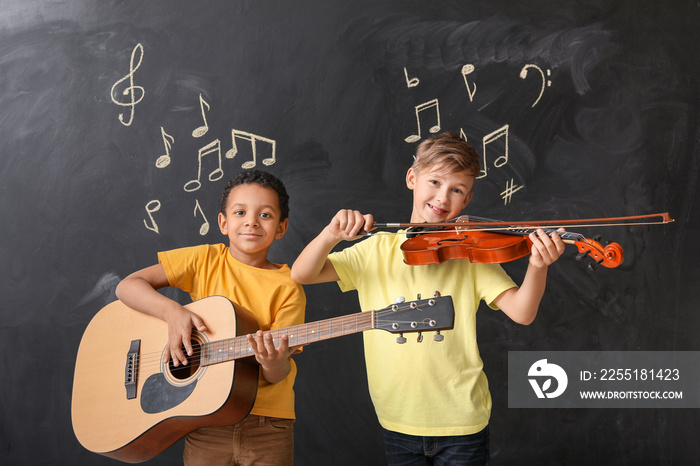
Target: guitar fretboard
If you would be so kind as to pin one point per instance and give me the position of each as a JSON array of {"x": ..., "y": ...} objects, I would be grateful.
[{"x": 238, "y": 347}]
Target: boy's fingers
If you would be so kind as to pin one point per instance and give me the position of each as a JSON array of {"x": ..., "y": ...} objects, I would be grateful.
[
  {"x": 357, "y": 224},
  {"x": 177, "y": 356},
  {"x": 199, "y": 323},
  {"x": 369, "y": 222},
  {"x": 284, "y": 344}
]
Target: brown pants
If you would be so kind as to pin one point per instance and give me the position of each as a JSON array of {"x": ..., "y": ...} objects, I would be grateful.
[{"x": 258, "y": 440}]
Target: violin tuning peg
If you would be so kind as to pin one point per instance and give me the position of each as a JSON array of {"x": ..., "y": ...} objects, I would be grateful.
[
  {"x": 593, "y": 266},
  {"x": 597, "y": 238},
  {"x": 581, "y": 255}
]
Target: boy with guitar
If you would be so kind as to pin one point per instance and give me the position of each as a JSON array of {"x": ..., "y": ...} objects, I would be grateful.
[
  {"x": 254, "y": 213},
  {"x": 431, "y": 397}
]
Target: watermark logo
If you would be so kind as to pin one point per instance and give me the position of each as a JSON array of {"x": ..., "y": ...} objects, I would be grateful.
[{"x": 541, "y": 375}]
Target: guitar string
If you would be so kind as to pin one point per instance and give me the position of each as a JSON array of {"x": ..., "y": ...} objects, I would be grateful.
[{"x": 325, "y": 328}]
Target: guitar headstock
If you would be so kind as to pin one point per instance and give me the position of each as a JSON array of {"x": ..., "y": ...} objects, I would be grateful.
[{"x": 423, "y": 315}]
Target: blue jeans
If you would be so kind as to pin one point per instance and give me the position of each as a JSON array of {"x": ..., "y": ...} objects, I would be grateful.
[{"x": 409, "y": 450}]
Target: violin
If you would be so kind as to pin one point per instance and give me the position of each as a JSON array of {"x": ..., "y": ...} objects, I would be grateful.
[{"x": 494, "y": 242}]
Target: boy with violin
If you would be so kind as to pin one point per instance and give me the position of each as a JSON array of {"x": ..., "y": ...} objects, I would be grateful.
[{"x": 431, "y": 397}]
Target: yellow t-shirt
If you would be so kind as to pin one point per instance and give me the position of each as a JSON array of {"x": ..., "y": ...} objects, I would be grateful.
[
  {"x": 429, "y": 388},
  {"x": 271, "y": 295}
]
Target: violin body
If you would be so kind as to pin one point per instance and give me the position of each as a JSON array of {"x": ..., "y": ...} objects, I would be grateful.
[
  {"x": 487, "y": 247},
  {"x": 477, "y": 246}
]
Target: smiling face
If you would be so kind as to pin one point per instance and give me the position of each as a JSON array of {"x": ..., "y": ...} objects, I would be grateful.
[
  {"x": 439, "y": 194},
  {"x": 252, "y": 221}
]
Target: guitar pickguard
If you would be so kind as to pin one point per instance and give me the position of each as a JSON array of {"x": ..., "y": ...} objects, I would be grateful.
[{"x": 159, "y": 395}]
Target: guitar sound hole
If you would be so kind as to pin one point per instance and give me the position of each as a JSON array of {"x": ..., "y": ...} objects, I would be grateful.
[{"x": 183, "y": 372}]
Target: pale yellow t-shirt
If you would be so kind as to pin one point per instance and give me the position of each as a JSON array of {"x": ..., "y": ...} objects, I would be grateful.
[
  {"x": 429, "y": 388},
  {"x": 271, "y": 295}
]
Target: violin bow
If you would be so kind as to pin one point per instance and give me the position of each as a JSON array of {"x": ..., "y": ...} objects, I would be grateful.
[{"x": 661, "y": 218}]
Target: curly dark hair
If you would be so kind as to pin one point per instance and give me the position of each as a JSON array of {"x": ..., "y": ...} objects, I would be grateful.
[{"x": 264, "y": 179}]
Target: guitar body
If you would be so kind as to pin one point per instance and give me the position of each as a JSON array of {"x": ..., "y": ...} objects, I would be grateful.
[{"x": 162, "y": 403}]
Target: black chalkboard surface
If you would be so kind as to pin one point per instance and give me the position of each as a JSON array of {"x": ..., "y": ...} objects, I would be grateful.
[{"x": 121, "y": 121}]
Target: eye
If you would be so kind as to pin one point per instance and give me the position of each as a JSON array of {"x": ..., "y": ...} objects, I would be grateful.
[
  {"x": 265, "y": 215},
  {"x": 238, "y": 212}
]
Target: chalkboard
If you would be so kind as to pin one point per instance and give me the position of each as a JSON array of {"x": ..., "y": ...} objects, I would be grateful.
[{"x": 121, "y": 121}]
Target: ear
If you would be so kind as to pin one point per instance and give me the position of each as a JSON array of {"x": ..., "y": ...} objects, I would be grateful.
[
  {"x": 223, "y": 224},
  {"x": 469, "y": 198},
  {"x": 282, "y": 228},
  {"x": 411, "y": 179}
]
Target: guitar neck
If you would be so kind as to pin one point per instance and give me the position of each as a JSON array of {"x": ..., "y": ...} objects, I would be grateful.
[{"x": 238, "y": 347}]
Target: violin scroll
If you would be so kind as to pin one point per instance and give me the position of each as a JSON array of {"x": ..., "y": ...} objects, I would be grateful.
[{"x": 609, "y": 256}]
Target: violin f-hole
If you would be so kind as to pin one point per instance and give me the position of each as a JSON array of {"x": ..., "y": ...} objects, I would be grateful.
[{"x": 452, "y": 240}]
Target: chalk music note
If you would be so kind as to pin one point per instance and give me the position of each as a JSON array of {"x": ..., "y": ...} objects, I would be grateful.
[
  {"x": 466, "y": 70},
  {"x": 151, "y": 207},
  {"x": 204, "y": 229},
  {"x": 511, "y": 188},
  {"x": 202, "y": 130},
  {"x": 462, "y": 134},
  {"x": 420, "y": 108},
  {"x": 253, "y": 138},
  {"x": 545, "y": 81},
  {"x": 164, "y": 160},
  {"x": 413, "y": 82},
  {"x": 501, "y": 132},
  {"x": 213, "y": 147},
  {"x": 131, "y": 90}
]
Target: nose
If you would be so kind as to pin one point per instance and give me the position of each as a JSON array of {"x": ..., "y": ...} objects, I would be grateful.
[
  {"x": 442, "y": 196},
  {"x": 251, "y": 220}
]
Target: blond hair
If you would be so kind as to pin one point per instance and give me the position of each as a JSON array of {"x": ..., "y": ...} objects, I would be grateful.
[{"x": 448, "y": 150}]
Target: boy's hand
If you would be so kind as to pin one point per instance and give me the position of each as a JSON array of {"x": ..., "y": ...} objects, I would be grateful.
[
  {"x": 313, "y": 265},
  {"x": 180, "y": 324},
  {"x": 274, "y": 361},
  {"x": 545, "y": 249},
  {"x": 349, "y": 224}
]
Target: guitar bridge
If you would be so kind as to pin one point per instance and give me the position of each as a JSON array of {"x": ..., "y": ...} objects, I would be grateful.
[{"x": 130, "y": 372}]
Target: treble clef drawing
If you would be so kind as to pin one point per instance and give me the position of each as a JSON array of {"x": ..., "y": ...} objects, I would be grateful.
[{"x": 132, "y": 90}]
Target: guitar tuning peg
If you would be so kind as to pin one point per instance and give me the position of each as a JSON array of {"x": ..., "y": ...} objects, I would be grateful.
[
  {"x": 418, "y": 297},
  {"x": 420, "y": 337},
  {"x": 400, "y": 299},
  {"x": 436, "y": 294},
  {"x": 438, "y": 336},
  {"x": 401, "y": 339}
]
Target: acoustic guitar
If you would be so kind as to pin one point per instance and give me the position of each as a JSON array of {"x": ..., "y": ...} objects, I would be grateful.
[{"x": 130, "y": 405}]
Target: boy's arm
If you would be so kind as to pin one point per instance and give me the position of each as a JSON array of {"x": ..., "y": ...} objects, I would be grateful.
[
  {"x": 521, "y": 304},
  {"x": 312, "y": 265},
  {"x": 139, "y": 292},
  {"x": 275, "y": 362}
]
